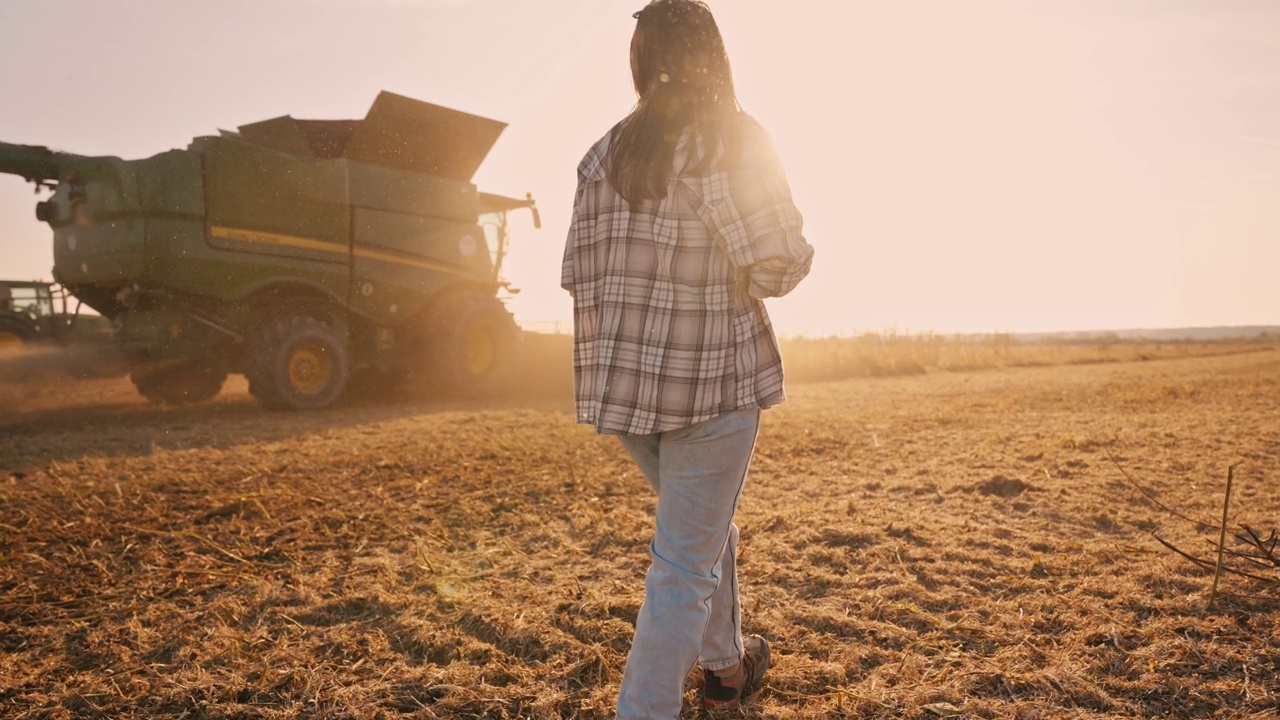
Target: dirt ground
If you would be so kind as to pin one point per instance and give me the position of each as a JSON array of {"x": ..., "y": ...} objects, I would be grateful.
[{"x": 948, "y": 544}]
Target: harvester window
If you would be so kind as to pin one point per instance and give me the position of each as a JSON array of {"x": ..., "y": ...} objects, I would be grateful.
[{"x": 495, "y": 233}]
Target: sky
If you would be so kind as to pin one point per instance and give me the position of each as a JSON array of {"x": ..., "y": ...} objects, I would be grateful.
[{"x": 981, "y": 166}]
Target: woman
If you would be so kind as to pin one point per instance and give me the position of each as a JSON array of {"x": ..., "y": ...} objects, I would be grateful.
[{"x": 683, "y": 221}]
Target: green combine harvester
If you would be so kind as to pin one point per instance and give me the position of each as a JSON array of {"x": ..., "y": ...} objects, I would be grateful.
[{"x": 307, "y": 255}]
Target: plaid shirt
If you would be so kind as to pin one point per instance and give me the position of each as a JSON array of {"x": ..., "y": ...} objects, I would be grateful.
[{"x": 669, "y": 326}]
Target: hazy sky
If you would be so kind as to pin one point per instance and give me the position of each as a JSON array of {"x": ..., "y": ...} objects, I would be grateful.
[{"x": 981, "y": 165}]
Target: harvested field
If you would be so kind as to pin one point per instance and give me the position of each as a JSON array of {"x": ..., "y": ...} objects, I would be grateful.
[{"x": 917, "y": 546}]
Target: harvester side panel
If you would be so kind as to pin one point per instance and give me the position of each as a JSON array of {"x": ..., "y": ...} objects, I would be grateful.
[
  {"x": 231, "y": 267},
  {"x": 170, "y": 184},
  {"x": 455, "y": 248},
  {"x": 392, "y": 190},
  {"x": 251, "y": 188},
  {"x": 107, "y": 253},
  {"x": 401, "y": 261}
]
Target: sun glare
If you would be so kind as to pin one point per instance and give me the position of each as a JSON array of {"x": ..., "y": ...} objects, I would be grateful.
[{"x": 961, "y": 166}]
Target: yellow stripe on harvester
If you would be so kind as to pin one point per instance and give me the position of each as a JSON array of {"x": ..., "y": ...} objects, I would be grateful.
[
  {"x": 266, "y": 238},
  {"x": 388, "y": 257},
  {"x": 293, "y": 241}
]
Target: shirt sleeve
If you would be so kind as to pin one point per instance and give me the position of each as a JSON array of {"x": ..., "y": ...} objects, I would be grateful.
[
  {"x": 570, "y": 273},
  {"x": 749, "y": 208},
  {"x": 781, "y": 256},
  {"x": 566, "y": 263}
]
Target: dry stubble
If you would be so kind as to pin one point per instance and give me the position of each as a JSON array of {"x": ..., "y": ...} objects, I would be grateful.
[{"x": 944, "y": 538}]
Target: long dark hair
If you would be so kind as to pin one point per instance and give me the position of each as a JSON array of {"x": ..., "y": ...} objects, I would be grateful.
[{"x": 683, "y": 79}]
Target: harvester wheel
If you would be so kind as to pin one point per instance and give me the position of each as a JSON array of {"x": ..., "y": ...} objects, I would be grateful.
[
  {"x": 299, "y": 364},
  {"x": 182, "y": 384},
  {"x": 473, "y": 346}
]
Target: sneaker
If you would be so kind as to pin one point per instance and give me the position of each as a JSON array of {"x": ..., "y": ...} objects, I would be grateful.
[{"x": 755, "y": 661}]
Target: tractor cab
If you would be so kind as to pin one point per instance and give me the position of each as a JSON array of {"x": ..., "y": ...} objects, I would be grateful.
[
  {"x": 27, "y": 311},
  {"x": 38, "y": 312}
]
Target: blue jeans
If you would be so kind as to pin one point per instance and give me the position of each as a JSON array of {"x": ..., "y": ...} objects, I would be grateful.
[{"x": 691, "y": 611}]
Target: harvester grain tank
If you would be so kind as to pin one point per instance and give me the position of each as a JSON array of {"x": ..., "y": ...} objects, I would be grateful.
[{"x": 301, "y": 253}]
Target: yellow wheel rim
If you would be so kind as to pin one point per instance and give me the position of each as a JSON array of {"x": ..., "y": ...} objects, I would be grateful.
[
  {"x": 482, "y": 350},
  {"x": 9, "y": 341},
  {"x": 310, "y": 369}
]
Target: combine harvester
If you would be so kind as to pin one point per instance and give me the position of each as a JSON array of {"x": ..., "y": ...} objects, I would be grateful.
[{"x": 304, "y": 254}]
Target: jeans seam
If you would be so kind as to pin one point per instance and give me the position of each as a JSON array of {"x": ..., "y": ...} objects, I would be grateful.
[{"x": 742, "y": 483}]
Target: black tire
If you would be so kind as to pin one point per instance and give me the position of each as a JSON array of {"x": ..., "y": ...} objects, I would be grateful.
[
  {"x": 472, "y": 346},
  {"x": 298, "y": 363},
  {"x": 182, "y": 384},
  {"x": 15, "y": 333}
]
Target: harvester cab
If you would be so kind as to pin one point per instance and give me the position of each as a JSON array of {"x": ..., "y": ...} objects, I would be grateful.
[
  {"x": 300, "y": 253},
  {"x": 494, "y": 210}
]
